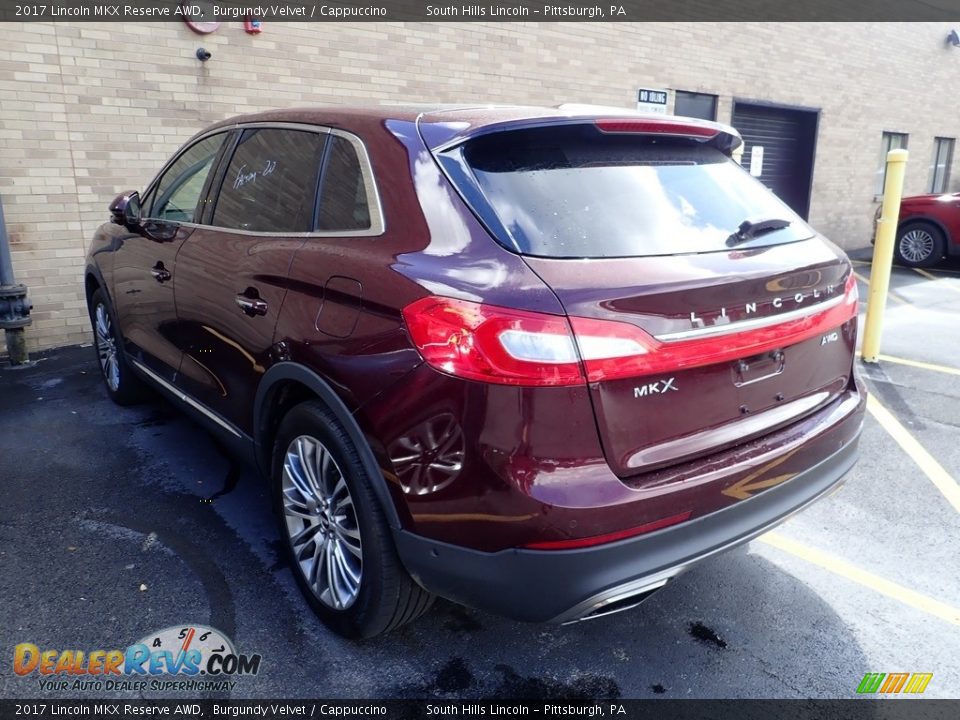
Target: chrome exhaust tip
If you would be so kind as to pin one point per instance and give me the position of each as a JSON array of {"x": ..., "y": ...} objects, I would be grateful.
[{"x": 616, "y": 600}]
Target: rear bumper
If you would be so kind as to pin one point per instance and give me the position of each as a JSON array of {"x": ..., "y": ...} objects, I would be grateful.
[{"x": 567, "y": 585}]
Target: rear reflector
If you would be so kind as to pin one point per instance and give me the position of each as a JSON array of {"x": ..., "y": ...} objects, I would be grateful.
[
  {"x": 655, "y": 126},
  {"x": 610, "y": 537},
  {"x": 518, "y": 347}
]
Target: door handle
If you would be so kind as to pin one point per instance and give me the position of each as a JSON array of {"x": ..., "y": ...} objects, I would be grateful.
[
  {"x": 251, "y": 305},
  {"x": 160, "y": 273}
]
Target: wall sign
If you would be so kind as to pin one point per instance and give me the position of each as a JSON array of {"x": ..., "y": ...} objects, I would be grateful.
[{"x": 652, "y": 101}]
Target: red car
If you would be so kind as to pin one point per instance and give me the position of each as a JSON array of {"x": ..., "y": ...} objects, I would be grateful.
[
  {"x": 536, "y": 361},
  {"x": 929, "y": 229}
]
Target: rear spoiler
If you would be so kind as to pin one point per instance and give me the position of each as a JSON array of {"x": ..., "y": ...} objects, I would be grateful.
[{"x": 443, "y": 136}]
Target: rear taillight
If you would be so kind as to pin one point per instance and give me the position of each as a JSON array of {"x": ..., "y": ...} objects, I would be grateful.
[
  {"x": 665, "y": 357},
  {"x": 493, "y": 344},
  {"x": 519, "y": 347}
]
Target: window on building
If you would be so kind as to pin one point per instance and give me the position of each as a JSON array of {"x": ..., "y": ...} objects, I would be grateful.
[
  {"x": 890, "y": 141},
  {"x": 697, "y": 105},
  {"x": 940, "y": 168},
  {"x": 343, "y": 197},
  {"x": 271, "y": 182},
  {"x": 177, "y": 193}
]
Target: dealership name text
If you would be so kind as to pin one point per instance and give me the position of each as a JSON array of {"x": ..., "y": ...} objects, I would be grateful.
[{"x": 565, "y": 11}]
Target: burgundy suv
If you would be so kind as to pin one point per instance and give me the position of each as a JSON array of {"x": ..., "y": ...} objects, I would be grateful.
[{"x": 536, "y": 361}]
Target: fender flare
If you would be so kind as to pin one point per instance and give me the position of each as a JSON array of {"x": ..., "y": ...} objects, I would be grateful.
[
  {"x": 321, "y": 388},
  {"x": 94, "y": 270}
]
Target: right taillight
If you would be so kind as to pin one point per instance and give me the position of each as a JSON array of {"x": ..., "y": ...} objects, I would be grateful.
[
  {"x": 662, "y": 357},
  {"x": 519, "y": 347}
]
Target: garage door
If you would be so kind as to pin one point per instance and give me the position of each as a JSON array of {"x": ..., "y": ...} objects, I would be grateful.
[{"x": 788, "y": 138}]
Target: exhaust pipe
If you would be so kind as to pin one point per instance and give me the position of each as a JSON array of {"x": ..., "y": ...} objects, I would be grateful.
[
  {"x": 618, "y": 599},
  {"x": 615, "y": 606},
  {"x": 14, "y": 305}
]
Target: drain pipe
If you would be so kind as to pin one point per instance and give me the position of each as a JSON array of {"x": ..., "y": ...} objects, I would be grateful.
[{"x": 14, "y": 305}]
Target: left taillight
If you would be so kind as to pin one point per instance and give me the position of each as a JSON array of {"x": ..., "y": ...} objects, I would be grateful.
[
  {"x": 494, "y": 344},
  {"x": 513, "y": 347}
]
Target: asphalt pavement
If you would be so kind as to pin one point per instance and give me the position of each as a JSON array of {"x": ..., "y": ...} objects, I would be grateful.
[{"x": 118, "y": 522}]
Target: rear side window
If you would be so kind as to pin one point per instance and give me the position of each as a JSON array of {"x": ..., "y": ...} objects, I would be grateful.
[
  {"x": 177, "y": 193},
  {"x": 576, "y": 192},
  {"x": 270, "y": 183},
  {"x": 343, "y": 195}
]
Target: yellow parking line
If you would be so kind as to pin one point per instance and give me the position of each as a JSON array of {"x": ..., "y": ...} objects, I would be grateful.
[
  {"x": 862, "y": 577},
  {"x": 939, "y": 281},
  {"x": 891, "y": 293},
  {"x": 924, "y": 460},
  {"x": 918, "y": 364}
]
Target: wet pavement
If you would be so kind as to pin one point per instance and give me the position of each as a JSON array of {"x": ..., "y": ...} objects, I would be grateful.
[{"x": 119, "y": 522}]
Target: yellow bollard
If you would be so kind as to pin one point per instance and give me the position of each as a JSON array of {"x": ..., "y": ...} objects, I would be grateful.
[{"x": 883, "y": 254}]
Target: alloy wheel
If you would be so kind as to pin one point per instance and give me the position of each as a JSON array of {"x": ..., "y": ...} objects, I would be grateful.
[
  {"x": 321, "y": 523},
  {"x": 916, "y": 245},
  {"x": 107, "y": 347}
]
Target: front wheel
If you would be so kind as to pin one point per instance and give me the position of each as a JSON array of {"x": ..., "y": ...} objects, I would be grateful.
[
  {"x": 122, "y": 385},
  {"x": 337, "y": 539},
  {"x": 919, "y": 245}
]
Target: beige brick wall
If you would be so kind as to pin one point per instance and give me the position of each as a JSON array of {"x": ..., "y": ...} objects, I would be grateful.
[{"x": 87, "y": 109}]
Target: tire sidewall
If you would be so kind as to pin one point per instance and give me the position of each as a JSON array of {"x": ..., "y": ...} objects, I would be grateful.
[
  {"x": 126, "y": 391},
  {"x": 354, "y": 621}
]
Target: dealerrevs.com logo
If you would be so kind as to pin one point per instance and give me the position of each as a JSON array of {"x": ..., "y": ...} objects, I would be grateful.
[{"x": 191, "y": 658}]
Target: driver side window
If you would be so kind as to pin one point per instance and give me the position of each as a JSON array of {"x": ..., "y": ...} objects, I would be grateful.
[{"x": 176, "y": 196}]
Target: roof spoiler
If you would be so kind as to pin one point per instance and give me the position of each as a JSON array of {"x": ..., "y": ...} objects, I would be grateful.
[{"x": 609, "y": 121}]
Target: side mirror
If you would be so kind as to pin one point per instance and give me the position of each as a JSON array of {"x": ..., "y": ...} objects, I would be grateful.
[{"x": 125, "y": 209}]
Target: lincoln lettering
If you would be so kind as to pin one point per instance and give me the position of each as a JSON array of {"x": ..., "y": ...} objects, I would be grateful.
[{"x": 750, "y": 308}]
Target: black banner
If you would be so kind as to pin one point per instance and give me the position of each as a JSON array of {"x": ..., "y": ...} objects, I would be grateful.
[
  {"x": 886, "y": 709},
  {"x": 208, "y": 11}
]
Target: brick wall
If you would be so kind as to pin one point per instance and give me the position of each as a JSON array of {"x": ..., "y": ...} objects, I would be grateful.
[{"x": 87, "y": 110}]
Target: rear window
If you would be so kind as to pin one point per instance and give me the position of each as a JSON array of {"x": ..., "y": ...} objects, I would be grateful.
[
  {"x": 271, "y": 182},
  {"x": 579, "y": 193}
]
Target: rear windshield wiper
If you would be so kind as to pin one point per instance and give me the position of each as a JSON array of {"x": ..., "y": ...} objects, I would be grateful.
[{"x": 749, "y": 229}]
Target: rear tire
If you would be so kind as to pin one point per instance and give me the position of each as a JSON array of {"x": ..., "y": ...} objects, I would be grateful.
[
  {"x": 336, "y": 537},
  {"x": 919, "y": 244},
  {"x": 123, "y": 387}
]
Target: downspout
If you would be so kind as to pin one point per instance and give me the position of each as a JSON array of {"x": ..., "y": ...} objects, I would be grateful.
[{"x": 14, "y": 305}]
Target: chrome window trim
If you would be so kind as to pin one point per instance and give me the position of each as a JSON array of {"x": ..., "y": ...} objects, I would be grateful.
[
  {"x": 734, "y": 327},
  {"x": 377, "y": 224},
  {"x": 374, "y": 204}
]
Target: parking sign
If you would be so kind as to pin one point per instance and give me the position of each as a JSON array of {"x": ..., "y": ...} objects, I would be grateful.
[{"x": 652, "y": 100}]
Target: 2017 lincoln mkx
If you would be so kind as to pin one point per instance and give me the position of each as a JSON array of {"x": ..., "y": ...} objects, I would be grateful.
[{"x": 537, "y": 361}]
